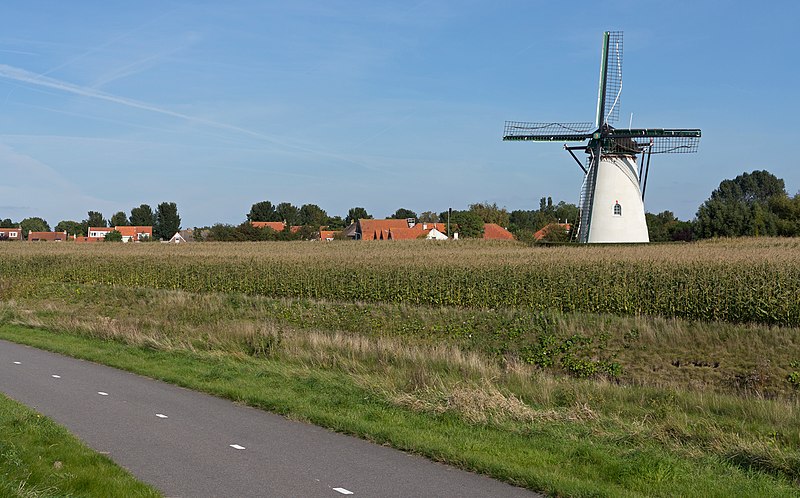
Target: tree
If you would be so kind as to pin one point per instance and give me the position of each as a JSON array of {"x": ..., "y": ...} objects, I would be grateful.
[
  {"x": 428, "y": 217},
  {"x": 7, "y": 223},
  {"x": 527, "y": 222},
  {"x": 311, "y": 214},
  {"x": 403, "y": 214},
  {"x": 71, "y": 227},
  {"x": 96, "y": 219},
  {"x": 335, "y": 223},
  {"x": 263, "y": 211},
  {"x": 119, "y": 219},
  {"x": 113, "y": 236},
  {"x": 741, "y": 207},
  {"x": 787, "y": 209},
  {"x": 287, "y": 212},
  {"x": 665, "y": 227},
  {"x": 556, "y": 233},
  {"x": 34, "y": 224},
  {"x": 468, "y": 224},
  {"x": 566, "y": 212},
  {"x": 491, "y": 213},
  {"x": 524, "y": 220},
  {"x": 168, "y": 222},
  {"x": 143, "y": 216},
  {"x": 356, "y": 213},
  {"x": 223, "y": 233}
]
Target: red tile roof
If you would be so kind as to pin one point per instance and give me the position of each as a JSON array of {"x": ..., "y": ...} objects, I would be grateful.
[
  {"x": 47, "y": 236},
  {"x": 379, "y": 229},
  {"x": 275, "y": 225},
  {"x": 547, "y": 228},
  {"x": 135, "y": 231},
  {"x": 493, "y": 231},
  {"x": 406, "y": 233},
  {"x": 426, "y": 226}
]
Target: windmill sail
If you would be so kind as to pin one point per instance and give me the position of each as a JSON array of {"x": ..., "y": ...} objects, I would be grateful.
[{"x": 610, "y": 88}]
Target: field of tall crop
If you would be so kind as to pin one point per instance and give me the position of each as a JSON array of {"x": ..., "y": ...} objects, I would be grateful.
[{"x": 743, "y": 281}]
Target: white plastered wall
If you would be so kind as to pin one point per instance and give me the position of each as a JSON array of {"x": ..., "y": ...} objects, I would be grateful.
[{"x": 617, "y": 183}]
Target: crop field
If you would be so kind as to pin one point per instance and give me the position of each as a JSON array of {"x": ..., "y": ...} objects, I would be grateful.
[
  {"x": 576, "y": 371},
  {"x": 749, "y": 281}
]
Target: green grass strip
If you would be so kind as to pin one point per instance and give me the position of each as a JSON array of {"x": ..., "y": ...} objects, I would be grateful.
[
  {"x": 40, "y": 458},
  {"x": 562, "y": 459}
]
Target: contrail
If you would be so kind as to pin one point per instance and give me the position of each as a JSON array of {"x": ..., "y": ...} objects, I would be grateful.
[{"x": 24, "y": 76}]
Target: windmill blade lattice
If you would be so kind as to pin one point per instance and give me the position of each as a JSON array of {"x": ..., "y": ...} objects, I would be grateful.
[
  {"x": 547, "y": 132},
  {"x": 652, "y": 140},
  {"x": 613, "y": 81}
]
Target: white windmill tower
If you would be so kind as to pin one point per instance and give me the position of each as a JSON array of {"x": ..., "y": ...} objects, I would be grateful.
[{"x": 612, "y": 196}]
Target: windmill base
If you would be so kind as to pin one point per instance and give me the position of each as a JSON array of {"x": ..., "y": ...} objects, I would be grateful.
[{"x": 617, "y": 212}]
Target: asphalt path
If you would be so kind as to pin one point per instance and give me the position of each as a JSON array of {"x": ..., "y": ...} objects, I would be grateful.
[{"x": 189, "y": 444}]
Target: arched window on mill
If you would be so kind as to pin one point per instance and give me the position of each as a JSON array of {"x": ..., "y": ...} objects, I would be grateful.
[{"x": 617, "y": 209}]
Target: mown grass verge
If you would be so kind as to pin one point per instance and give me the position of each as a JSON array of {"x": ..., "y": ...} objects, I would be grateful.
[
  {"x": 39, "y": 458},
  {"x": 563, "y": 449}
]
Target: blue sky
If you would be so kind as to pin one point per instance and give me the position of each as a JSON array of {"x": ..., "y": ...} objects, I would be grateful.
[{"x": 218, "y": 105}]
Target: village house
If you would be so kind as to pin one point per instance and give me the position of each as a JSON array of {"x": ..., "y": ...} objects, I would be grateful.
[
  {"x": 99, "y": 233},
  {"x": 47, "y": 236},
  {"x": 278, "y": 226},
  {"x": 408, "y": 229},
  {"x": 135, "y": 233},
  {"x": 275, "y": 225},
  {"x": 129, "y": 233},
  {"x": 327, "y": 235},
  {"x": 11, "y": 233},
  {"x": 493, "y": 231}
]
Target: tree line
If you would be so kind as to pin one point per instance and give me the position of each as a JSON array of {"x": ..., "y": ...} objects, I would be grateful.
[
  {"x": 300, "y": 223},
  {"x": 165, "y": 221},
  {"x": 752, "y": 204}
]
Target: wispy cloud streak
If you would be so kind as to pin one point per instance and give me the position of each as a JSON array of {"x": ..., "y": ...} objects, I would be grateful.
[{"x": 24, "y": 76}]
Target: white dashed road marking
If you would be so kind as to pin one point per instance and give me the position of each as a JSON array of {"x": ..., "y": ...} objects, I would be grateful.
[
  {"x": 236, "y": 446},
  {"x": 17, "y": 363},
  {"x": 161, "y": 415},
  {"x": 101, "y": 393},
  {"x": 55, "y": 376},
  {"x": 343, "y": 491}
]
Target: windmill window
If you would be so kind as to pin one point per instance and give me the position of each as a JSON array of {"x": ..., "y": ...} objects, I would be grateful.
[{"x": 617, "y": 209}]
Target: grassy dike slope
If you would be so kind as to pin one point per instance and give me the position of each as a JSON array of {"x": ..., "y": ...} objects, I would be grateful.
[{"x": 561, "y": 450}]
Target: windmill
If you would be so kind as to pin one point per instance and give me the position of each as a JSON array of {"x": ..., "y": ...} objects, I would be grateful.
[{"x": 612, "y": 195}]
